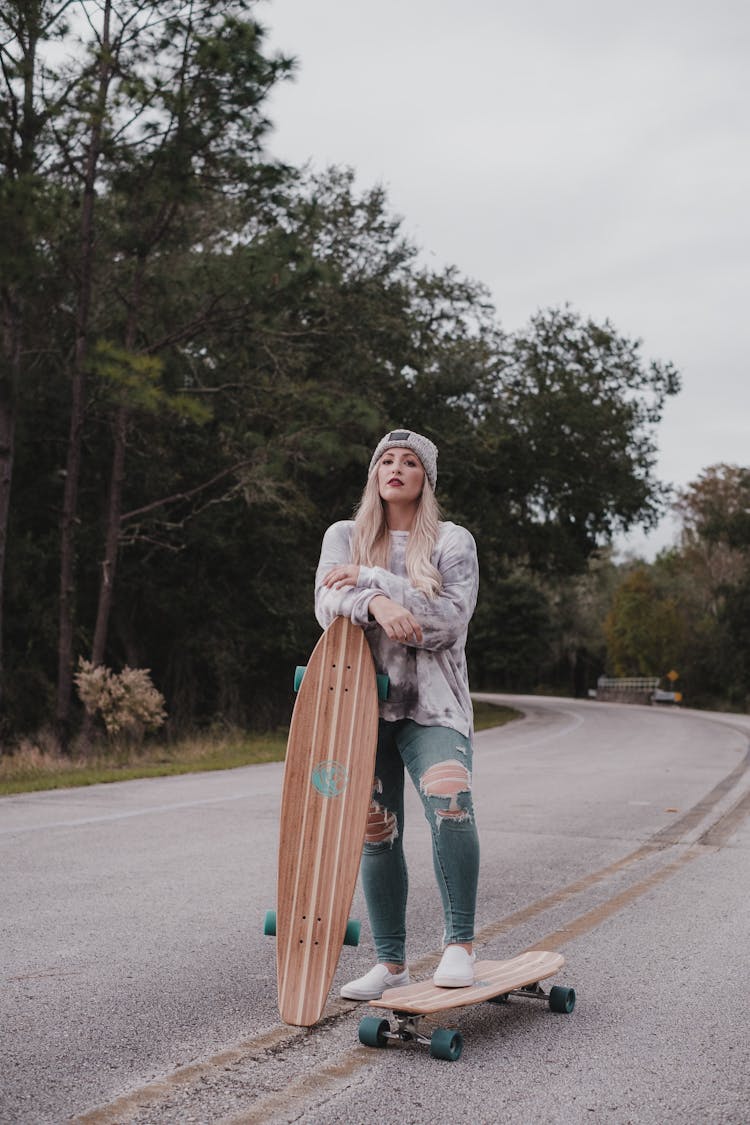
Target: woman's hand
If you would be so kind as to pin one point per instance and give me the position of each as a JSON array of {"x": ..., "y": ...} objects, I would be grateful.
[
  {"x": 395, "y": 621},
  {"x": 345, "y": 575}
]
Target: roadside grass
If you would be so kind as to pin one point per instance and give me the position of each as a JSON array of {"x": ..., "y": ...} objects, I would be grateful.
[
  {"x": 488, "y": 715},
  {"x": 35, "y": 766},
  {"x": 31, "y": 769}
]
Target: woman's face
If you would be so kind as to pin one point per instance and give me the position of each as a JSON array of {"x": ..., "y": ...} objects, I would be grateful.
[{"x": 400, "y": 477}]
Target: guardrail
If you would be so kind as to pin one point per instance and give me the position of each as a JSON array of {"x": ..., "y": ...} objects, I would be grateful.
[
  {"x": 633, "y": 689},
  {"x": 629, "y": 683}
]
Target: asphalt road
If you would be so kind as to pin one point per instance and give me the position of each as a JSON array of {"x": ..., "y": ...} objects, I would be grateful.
[{"x": 137, "y": 986}]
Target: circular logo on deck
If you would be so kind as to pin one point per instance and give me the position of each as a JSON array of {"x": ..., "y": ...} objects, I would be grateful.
[{"x": 330, "y": 778}]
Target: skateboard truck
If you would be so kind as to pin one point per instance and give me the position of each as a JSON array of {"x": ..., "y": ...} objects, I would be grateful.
[
  {"x": 444, "y": 1043},
  {"x": 351, "y": 934},
  {"x": 383, "y": 682},
  {"x": 560, "y": 999}
]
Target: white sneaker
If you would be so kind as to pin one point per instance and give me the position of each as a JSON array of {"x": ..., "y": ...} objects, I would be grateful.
[
  {"x": 373, "y": 984},
  {"x": 456, "y": 969}
]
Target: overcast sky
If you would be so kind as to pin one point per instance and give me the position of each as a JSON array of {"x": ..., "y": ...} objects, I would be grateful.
[{"x": 579, "y": 151}]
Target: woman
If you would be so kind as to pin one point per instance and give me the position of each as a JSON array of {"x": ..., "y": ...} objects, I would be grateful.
[{"x": 411, "y": 581}]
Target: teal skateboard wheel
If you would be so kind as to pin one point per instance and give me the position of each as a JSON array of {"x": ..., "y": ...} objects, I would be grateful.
[
  {"x": 373, "y": 1031},
  {"x": 269, "y": 924},
  {"x": 447, "y": 1044},
  {"x": 351, "y": 934},
  {"x": 562, "y": 999}
]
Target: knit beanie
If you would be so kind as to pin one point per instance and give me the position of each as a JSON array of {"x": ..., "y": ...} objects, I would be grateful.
[{"x": 425, "y": 450}]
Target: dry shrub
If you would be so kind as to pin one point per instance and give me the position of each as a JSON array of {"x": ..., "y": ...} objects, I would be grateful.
[{"x": 127, "y": 702}]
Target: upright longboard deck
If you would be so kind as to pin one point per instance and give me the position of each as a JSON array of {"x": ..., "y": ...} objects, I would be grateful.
[
  {"x": 492, "y": 978},
  {"x": 328, "y": 777}
]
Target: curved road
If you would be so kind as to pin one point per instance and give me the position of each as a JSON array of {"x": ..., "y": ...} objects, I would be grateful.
[{"x": 137, "y": 986}]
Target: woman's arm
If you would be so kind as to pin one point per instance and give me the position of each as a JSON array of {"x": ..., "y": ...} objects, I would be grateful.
[
  {"x": 339, "y": 601},
  {"x": 395, "y": 621},
  {"x": 446, "y": 617}
]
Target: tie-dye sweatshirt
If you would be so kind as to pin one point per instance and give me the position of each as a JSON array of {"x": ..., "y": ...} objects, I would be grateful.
[{"x": 429, "y": 681}]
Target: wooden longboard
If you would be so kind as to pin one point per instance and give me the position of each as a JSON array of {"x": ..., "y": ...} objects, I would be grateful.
[
  {"x": 328, "y": 776},
  {"x": 492, "y": 979}
]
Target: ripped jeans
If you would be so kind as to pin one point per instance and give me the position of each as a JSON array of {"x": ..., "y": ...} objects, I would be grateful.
[{"x": 439, "y": 761}]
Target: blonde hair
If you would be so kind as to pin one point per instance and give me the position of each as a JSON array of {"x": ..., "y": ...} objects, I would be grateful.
[{"x": 371, "y": 544}]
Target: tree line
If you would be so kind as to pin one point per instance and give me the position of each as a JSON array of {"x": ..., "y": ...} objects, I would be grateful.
[
  {"x": 200, "y": 348},
  {"x": 688, "y": 611}
]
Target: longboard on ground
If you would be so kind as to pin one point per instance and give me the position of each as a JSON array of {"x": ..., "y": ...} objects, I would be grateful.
[{"x": 495, "y": 982}]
